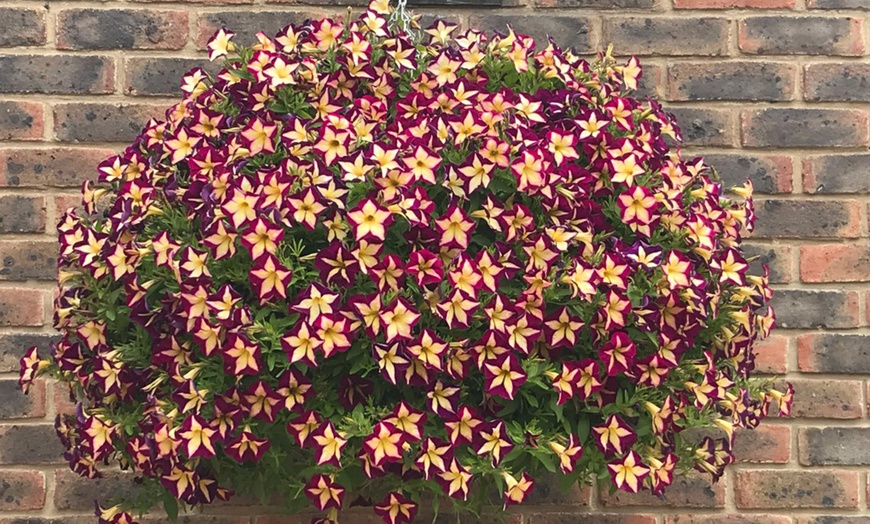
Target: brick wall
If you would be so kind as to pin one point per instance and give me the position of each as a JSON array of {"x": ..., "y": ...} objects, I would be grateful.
[{"x": 774, "y": 89}]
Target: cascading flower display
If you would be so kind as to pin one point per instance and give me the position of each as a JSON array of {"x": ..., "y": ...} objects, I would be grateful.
[{"x": 375, "y": 266}]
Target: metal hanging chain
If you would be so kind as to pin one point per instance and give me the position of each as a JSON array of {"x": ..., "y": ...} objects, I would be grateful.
[{"x": 401, "y": 17}]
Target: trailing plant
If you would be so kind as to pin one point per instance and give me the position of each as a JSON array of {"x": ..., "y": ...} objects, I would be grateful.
[{"x": 365, "y": 265}]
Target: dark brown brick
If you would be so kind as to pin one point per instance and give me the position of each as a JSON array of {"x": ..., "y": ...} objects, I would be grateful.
[
  {"x": 838, "y": 4},
  {"x": 804, "y": 309},
  {"x": 48, "y": 520},
  {"x": 533, "y": 517},
  {"x": 566, "y": 31},
  {"x": 21, "y": 27},
  {"x": 597, "y": 4},
  {"x": 769, "y": 174},
  {"x": 833, "y": 519},
  {"x": 651, "y": 82},
  {"x": 835, "y": 263},
  {"x": 667, "y": 36},
  {"x": 21, "y": 120},
  {"x": 727, "y": 519},
  {"x": 777, "y": 258},
  {"x": 766, "y": 444},
  {"x": 833, "y": 446},
  {"x": 121, "y": 29},
  {"x": 160, "y": 76},
  {"x": 30, "y": 444},
  {"x": 246, "y": 24},
  {"x": 22, "y": 214},
  {"x": 831, "y": 399},
  {"x": 691, "y": 491},
  {"x": 837, "y": 82},
  {"x": 797, "y": 489},
  {"x": 799, "y": 127},
  {"x": 13, "y": 346},
  {"x": 91, "y": 122},
  {"x": 548, "y": 492},
  {"x": 789, "y": 219},
  {"x": 28, "y": 260},
  {"x": 828, "y": 174},
  {"x": 56, "y": 167},
  {"x": 731, "y": 81},
  {"x": 18, "y": 405},
  {"x": 705, "y": 127},
  {"x": 21, "y": 490},
  {"x": 834, "y": 353},
  {"x": 56, "y": 74},
  {"x": 804, "y": 35},
  {"x": 72, "y": 492},
  {"x": 21, "y": 306}
]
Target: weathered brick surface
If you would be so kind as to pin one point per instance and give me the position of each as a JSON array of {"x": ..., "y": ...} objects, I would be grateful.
[
  {"x": 789, "y": 219},
  {"x": 732, "y": 4},
  {"x": 21, "y": 307},
  {"x": 766, "y": 444},
  {"x": 731, "y": 81},
  {"x": 771, "y": 355},
  {"x": 13, "y": 345},
  {"x": 30, "y": 444},
  {"x": 776, "y": 257},
  {"x": 833, "y": 446},
  {"x": 22, "y": 214},
  {"x": 837, "y": 82},
  {"x": 798, "y": 308},
  {"x": 56, "y": 74},
  {"x": 838, "y": 4},
  {"x": 692, "y": 491},
  {"x": 797, "y": 489},
  {"x": 55, "y": 167},
  {"x": 728, "y": 519},
  {"x": 816, "y": 128},
  {"x": 834, "y": 353},
  {"x": 245, "y": 24},
  {"x": 705, "y": 127},
  {"x": 825, "y": 174},
  {"x": 805, "y": 35},
  {"x": 72, "y": 492},
  {"x": 599, "y": 4},
  {"x": 835, "y": 263},
  {"x": 159, "y": 76},
  {"x": 21, "y": 120},
  {"x": 566, "y": 31},
  {"x": 668, "y": 36},
  {"x": 121, "y": 29},
  {"x": 22, "y": 26},
  {"x": 768, "y": 173},
  {"x": 28, "y": 260},
  {"x": 21, "y": 490},
  {"x": 95, "y": 122},
  {"x": 596, "y": 518},
  {"x": 831, "y": 399},
  {"x": 17, "y": 406}
]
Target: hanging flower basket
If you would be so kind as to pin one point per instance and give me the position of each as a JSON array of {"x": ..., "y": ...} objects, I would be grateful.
[{"x": 391, "y": 267}]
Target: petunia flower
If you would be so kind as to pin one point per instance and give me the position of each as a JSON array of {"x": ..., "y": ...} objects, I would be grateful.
[
  {"x": 629, "y": 472},
  {"x": 396, "y": 509}
]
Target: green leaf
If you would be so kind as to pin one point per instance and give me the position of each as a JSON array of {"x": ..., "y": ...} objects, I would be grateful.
[{"x": 170, "y": 506}]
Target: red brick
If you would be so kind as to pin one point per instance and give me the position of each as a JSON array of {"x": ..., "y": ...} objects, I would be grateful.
[
  {"x": 73, "y": 492},
  {"x": 804, "y": 127},
  {"x": 789, "y": 489},
  {"x": 28, "y": 260},
  {"x": 838, "y": 4},
  {"x": 801, "y": 35},
  {"x": 835, "y": 263},
  {"x": 21, "y": 120},
  {"x": 63, "y": 404},
  {"x": 21, "y": 307},
  {"x": 55, "y": 167},
  {"x": 834, "y": 353},
  {"x": 121, "y": 29},
  {"x": 16, "y": 404},
  {"x": 567, "y": 31},
  {"x": 30, "y": 444},
  {"x": 548, "y": 491},
  {"x": 832, "y": 399},
  {"x": 22, "y": 490},
  {"x": 766, "y": 444},
  {"x": 64, "y": 202},
  {"x": 600, "y": 4},
  {"x": 734, "y": 4},
  {"x": 22, "y": 214},
  {"x": 778, "y": 218},
  {"x": 771, "y": 355},
  {"x": 770, "y": 174},
  {"x": 836, "y": 82},
  {"x": 245, "y": 24},
  {"x": 776, "y": 257}
]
